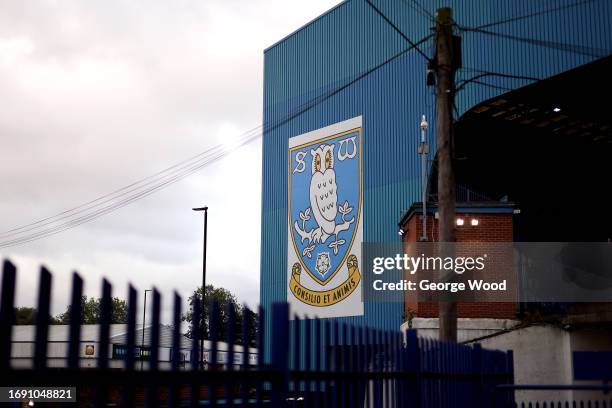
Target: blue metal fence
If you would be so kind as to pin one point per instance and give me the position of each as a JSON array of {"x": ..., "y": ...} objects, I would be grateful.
[
  {"x": 566, "y": 404},
  {"x": 344, "y": 366}
]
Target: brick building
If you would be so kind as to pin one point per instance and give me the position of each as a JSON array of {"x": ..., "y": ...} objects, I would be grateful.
[
  {"x": 479, "y": 222},
  {"x": 545, "y": 351}
]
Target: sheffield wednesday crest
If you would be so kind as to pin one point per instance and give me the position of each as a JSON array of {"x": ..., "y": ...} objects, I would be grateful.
[{"x": 324, "y": 225}]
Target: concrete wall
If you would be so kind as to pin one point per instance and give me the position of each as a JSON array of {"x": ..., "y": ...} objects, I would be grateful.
[
  {"x": 469, "y": 328},
  {"x": 592, "y": 339},
  {"x": 542, "y": 355}
]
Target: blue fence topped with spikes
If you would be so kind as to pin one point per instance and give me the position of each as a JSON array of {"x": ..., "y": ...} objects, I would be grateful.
[{"x": 344, "y": 366}]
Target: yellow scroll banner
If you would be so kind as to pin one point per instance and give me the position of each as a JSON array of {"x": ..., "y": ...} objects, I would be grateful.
[{"x": 326, "y": 297}]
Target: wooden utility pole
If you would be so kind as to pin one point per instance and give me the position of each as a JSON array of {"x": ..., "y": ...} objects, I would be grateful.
[{"x": 445, "y": 71}]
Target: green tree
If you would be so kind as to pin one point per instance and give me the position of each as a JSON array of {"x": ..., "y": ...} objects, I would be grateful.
[
  {"x": 25, "y": 315},
  {"x": 90, "y": 311},
  {"x": 224, "y": 298}
]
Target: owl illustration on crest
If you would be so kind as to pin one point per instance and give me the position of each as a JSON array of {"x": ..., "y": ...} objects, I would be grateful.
[{"x": 323, "y": 188}]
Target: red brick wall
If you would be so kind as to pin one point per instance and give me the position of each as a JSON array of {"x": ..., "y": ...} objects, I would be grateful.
[{"x": 491, "y": 228}]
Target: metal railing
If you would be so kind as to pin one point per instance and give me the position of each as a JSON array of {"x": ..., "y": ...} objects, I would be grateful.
[
  {"x": 313, "y": 362},
  {"x": 499, "y": 401}
]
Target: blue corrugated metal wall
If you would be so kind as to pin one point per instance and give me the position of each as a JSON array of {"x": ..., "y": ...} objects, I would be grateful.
[{"x": 349, "y": 40}]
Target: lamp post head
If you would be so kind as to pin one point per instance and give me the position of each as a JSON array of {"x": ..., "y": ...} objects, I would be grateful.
[{"x": 205, "y": 208}]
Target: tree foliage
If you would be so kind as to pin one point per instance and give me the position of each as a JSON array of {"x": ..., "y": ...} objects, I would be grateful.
[
  {"x": 224, "y": 298},
  {"x": 90, "y": 311},
  {"x": 25, "y": 315}
]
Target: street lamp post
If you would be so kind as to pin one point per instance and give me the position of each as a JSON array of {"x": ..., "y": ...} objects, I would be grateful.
[
  {"x": 144, "y": 316},
  {"x": 205, "y": 209}
]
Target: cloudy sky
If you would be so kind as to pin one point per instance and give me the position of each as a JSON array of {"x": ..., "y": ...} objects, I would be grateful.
[{"x": 97, "y": 95}]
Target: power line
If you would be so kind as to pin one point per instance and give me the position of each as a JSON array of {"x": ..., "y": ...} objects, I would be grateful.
[
  {"x": 325, "y": 97},
  {"x": 503, "y": 88},
  {"x": 142, "y": 188},
  {"x": 462, "y": 84},
  {"x": 537, "y": 13},
  {"x": 114, "y": 205},
  {"x": 117, "y": 193},
  {"x": 419, "y": 8},
  {"x": 396, "y": 28},
  {"x": 577, "y": 49}
]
